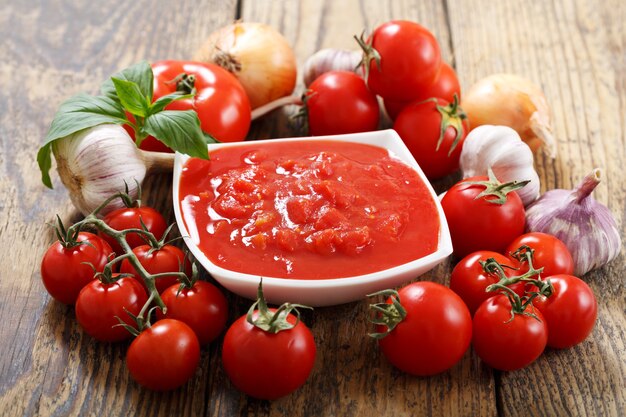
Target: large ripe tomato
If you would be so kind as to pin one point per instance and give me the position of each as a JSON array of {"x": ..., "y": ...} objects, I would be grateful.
[
  {"x": 410, "y": 60},
  {"x": 504, "y": 343},
  {"x": 65, "y": 270},
  {"x": 434, "y": 334},
  {"x": 549, "y": 253},
  {"x": 570, "y": 312},
  {"x": 434, "y": 132},
  {"x": 268, "y": 365},
  {"x": 131, "y": 218},
  {"x": 220, "y": 101},
  {"x": 203, "y": 307},
  {"x": 164, "y": 356},
  {"x": 446, "y": 86},
  {"x": 482, "y": 223},
  {"x": 339, "y": 102},
  {"x": 469, "y": 279},
  {"x": 157, "y": 261},
  {"x": 99, "y": 304}
]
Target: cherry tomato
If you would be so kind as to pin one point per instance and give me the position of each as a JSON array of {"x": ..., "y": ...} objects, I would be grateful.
[
  {"x": 167, "y": 259},
  {"x": 507, "y": 344},
  {"x": 65, "y": 271},
  {"x": 469, "y": 280},
  {"x": 446, "y": 86},
  {"x": 203, "y": 307},
  {"x": 435, "y": 333},
  {"x": 410, "y": 60},
  {"x": 420, "y": 125},
  {"x": 549, "y": 253},
  {"x": 570, "y": 312},
  {"x": 481, "y": 223},
  {"x": 268, "y": 365},
  {"x": 339, "y": 102},
  {"x": 164, "y": 356},
  {"x": 131, "y": 218},
  {"x": 99, "y": 304}
]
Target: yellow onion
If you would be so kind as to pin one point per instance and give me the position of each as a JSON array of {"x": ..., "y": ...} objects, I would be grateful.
[
  {"x": 513, "y": 101},
  {"x": 258, "y": 55}
]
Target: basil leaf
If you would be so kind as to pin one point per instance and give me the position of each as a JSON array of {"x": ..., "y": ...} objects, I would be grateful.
[
  {"x": 209, "y": 138},
  {"x": 131, "y": 98},
  {"x": 162, "y": 102},
  {"x": 180, "y": 130},
  {"x": 140, "y": 74},
  {"x": 75, "y": 114}
]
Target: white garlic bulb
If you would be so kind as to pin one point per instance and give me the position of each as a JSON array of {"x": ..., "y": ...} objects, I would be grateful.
[
  {"x": 329, "y": 59},
  {"x": 96, "y": 163},
  {"x": 501, "y": 149}
]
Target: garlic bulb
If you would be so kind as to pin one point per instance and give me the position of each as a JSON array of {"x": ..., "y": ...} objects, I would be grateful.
[
  {"x": 584, "y": 225},
  {"x": 510, "y": 100},
  {"x": 501, "y": 149},
  {"x": 330, "y": 59},
  {"x": 96, "y": 163}
]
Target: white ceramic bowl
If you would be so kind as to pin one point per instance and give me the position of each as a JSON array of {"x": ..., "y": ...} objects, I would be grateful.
[{"x": 324, "y": 292}]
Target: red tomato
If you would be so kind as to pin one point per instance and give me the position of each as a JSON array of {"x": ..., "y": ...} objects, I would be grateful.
[
  {"x": 570, "y": 312},
  {"x": 131, "y": 218},
  {"x": 164, "y": 356},
  {"x": 446, "y": 86},
  {"x": 202, "y": 307},
  {"x": 339, "y": 102},
  {"x": 480, "y": 223},
  {"x": 167, "y": 259},
  {"x": 99, "y": 304},
  {"x": 65, "y": 271},
  {"x": 507, "y": 344},
  {"x": 268, "y": 365},
  {"x": 410, "y": 60},
  {"x": 420, "y": 126},
  {"x": 435, "y": 333},
  {"x": 550, "y": 253},
  {"x": 469, "y": 280}
]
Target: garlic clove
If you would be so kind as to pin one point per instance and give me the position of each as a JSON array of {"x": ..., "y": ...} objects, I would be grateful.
[{"x": 96, "y": 163}]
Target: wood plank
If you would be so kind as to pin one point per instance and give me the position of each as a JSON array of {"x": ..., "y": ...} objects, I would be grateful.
[
  {"x": 575, "y": 51},
  {"x": 51, "y": 51}
]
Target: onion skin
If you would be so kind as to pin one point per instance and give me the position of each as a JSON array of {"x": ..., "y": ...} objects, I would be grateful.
[
  {"x": 510, "y": 100},
  {"x": 258, "y": 55}
]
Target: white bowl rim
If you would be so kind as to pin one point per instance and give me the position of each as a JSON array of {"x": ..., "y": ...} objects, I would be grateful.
[{"x": 402, "y": 153}]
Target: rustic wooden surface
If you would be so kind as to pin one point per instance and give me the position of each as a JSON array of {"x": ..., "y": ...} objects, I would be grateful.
[{"x": 576, "y": 50}]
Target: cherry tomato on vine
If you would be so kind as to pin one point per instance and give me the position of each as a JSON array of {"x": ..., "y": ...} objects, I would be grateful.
[
  {"x": 168, "y": 258},
  {"x": 507, "y": 342},
  {"x": 339, "y": 102},
  {"x": 570, "y": 312},
  {"x": 202, "y": 307},
  {"x": 131, "y": 218},
  {"x": 483, "y": 214},
  {"x": 470, "y": 280},
  {"x": 406, "y": 60},
  {"x": 99, "y": 304},
  {"x": 66, "y": 270},
  {"x": 433, "y": 333},
  {"x": 434, "y": 132},
  {"x": 549, "y": 253},
  {"x": 164, "y": 356},
  {"x": 445, "y": 86}
]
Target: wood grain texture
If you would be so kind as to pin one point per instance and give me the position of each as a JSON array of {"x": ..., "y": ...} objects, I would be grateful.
[{"x": 575, "y": 49}]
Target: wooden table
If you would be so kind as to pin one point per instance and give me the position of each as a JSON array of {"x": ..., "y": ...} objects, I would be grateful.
[{"x": 575, "y": 50}]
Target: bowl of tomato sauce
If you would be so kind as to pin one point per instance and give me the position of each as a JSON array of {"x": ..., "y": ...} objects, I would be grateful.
[{"x": 322, "y": 220}]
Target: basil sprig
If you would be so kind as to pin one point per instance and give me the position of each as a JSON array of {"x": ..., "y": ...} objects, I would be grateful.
[{"x": 130, "y": 90}]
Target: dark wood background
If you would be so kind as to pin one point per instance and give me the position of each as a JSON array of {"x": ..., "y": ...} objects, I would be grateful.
[{"x": 575, "y": 49}]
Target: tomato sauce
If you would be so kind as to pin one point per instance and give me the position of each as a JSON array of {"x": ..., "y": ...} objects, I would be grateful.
[{"x": 307, "y": 209}]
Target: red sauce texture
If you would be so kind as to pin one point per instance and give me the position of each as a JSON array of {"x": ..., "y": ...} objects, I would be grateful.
[{"x": 307, "y": 209}]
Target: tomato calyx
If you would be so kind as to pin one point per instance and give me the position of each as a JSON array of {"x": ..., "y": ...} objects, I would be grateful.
[
  {"x": 388, "y": 315},
  {"x": 185, "y": 83},
  {"x": 451, "y": 116},
  {"x": 68, "y": 238},
  {"x": 369, "y": 54},
  {"x": 272, "y": 322},
  {"x": 495, "y": 188}
]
